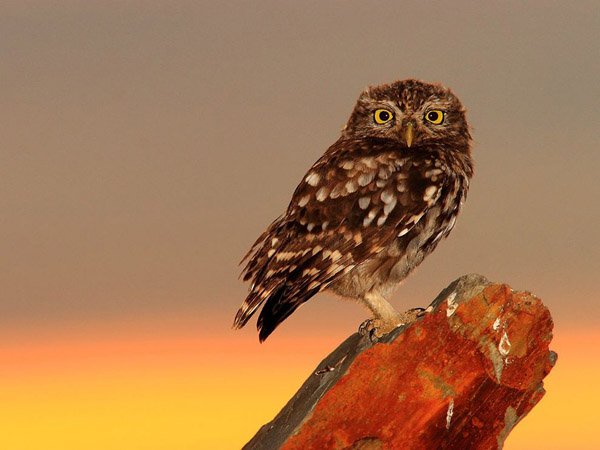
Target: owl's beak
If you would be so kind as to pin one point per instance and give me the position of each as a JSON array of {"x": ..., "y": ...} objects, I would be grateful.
[{"x": 409, "y": 133}]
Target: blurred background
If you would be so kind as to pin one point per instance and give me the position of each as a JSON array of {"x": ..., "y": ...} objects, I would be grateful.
[{"x": 145, "y": 145}]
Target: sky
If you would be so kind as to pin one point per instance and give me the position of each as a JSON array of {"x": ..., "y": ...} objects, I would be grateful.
[{"x": 145, "y": 145}]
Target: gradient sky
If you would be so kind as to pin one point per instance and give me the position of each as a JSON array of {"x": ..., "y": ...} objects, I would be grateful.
[{"x": 145, "y": 145}]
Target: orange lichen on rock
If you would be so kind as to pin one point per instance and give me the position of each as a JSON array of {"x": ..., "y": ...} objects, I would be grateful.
[{"x": 460, "y": 377}]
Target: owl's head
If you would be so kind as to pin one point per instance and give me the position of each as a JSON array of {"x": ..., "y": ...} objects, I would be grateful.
[{"x": 412, "y": 112}]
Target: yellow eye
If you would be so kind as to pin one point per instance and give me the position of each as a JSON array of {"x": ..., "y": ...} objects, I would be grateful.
[
  {"x": 383, "y": 116},
  {"x": 435, "y": 116}
]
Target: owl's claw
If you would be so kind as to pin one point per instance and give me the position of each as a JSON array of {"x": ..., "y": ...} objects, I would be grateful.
[
  {"x": 415, "y": 313},
  {"x": 365, "y": 327},
  {"x": 373, "y": 336},
  {"x": 370, "y": 327},
  {"x": 375, "y": 329}
]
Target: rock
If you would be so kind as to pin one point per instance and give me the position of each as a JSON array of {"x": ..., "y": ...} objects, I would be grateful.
[{"x": 460, "y": 377}]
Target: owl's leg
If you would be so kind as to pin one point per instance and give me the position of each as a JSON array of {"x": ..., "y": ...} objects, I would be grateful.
[{"x": 385, "y": 317}]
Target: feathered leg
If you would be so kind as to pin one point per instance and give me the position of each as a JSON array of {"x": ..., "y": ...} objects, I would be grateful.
[{"x": 385, "y": 317}]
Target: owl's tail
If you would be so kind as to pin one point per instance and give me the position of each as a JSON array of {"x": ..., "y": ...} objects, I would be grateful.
[
  {"x": 279, "y": 304},
  {"x": 283, "y": 277},
  {"x": 249, "y": 307}
]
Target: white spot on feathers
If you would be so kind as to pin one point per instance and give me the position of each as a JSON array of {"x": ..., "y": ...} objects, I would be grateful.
[
  {"x": 363, "y": 202},
  {"x": 429, "y": 193},
  {"x": 403, "y": 232},
  {"x": 387, "y": 196},
  {"x": 367, "y": 220},
  {"x": 369, "y": 162},
  {"x": 334, "y": 268},
  {"x": 366, "y": 178},
  {"x": 322, "y": 193},
  {"x": 351, "y": 186},
  {"x": 303, "y": 200},
  {"x": 433, "y": 172},
  {"x": 284, "y": 256},
  {"x": 313, "y": 178},
  {"x": 254, "y": 308},
  {"x": 338, "y": 190},
  {"x": 438, "y": 236},
  {"x": 348, "y": 164},
  {"x": 452, "y": 222},
  {"x": 384, "y": 173},
  {"x": 335, "y": 255},
  {"x": 311, "y": 271},
  {"x": 415, "y": 219},
  {"x": 390, "y": 206}
]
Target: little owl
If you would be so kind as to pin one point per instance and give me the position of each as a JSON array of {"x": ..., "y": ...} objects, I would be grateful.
[{"x": 369, "y": 210}]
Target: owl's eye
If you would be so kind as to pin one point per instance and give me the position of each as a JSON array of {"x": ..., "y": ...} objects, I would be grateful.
[
  {"x": 435, "y": 116},
  {"x": 383, "y": 116}
]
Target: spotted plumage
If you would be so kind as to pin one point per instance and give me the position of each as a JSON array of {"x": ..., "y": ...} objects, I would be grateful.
[{"x": 369, "y": 210}]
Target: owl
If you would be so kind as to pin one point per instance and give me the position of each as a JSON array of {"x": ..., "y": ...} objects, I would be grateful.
[{"x": 368, "y": 212}]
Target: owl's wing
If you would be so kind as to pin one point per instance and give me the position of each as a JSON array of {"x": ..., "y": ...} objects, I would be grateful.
[{"x": 351, "y": 204}]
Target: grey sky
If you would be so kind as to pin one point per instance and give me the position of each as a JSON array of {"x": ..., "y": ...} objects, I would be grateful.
[{"x": 146, "y": 145}]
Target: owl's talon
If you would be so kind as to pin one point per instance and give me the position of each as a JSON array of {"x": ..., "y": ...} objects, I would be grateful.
[
  {"x": 416, "y": 312},
  {"x": 373, "y": 337},
  {"x": 375, "y": 329},
  {"x": 366, "y": 327}
]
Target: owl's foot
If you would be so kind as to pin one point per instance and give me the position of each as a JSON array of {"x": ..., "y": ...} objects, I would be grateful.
[
  {"x": 370, "y": 327},
  {"x": 414, "y": 313},
  {"x": 376, "y": 328}
]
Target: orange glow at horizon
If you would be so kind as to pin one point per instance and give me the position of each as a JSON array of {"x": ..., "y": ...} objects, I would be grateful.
[{"x": 179, "y": 390}]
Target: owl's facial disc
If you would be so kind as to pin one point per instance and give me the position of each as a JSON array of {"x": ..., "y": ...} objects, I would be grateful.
[{"x": 413, "y": 113}]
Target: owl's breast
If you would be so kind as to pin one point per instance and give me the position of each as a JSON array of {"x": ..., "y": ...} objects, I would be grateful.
[
  {"x": 385, "y": 270},
  {"x": 410, "y": 250}
]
